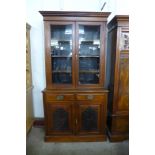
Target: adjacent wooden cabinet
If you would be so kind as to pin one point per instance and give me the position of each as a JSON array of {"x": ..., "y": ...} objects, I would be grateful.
[
  {"x": 29, "y": 100},
  {"x": 118, "y": 67},
  {"x": 75, "y": 100}
]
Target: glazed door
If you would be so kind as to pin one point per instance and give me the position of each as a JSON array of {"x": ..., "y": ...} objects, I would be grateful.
[
  {"x": 89, "y": 118},
  {"x": 60, "y": 118},
  {"x": 90, "y": 54},
  {"x": 60, "y": 54}
]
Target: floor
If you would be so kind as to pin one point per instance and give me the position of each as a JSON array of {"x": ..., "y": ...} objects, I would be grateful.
[{"x": 37, "y": 146}]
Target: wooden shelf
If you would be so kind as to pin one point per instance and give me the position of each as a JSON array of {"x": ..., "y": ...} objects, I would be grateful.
[
  {"x": 61, "y": 71},
  {"x": 90, "y": 41},
  {"x": 60, "y": 56},
  {"x": 61, "y": 40},
  {"x": 83, "y": 56},
  {"x": 87, "y": 56},
  {"x": 89, "y": 71}
]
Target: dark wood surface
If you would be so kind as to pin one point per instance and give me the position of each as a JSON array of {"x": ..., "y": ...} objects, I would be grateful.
[
  {"x": 74, "y": 14},
  {"x": 72, "y": 138},
  {"x": 118, "y": 100}
]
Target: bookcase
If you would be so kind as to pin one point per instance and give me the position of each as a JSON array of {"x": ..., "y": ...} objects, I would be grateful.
[{"x": 75, "y": 99}]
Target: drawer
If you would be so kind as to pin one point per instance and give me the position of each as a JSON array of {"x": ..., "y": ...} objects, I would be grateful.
[
  {"x": 90, "y": 97},
  {"x": 60, "y": 97}
]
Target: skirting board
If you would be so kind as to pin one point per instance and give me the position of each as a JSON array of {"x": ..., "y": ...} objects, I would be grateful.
[
  {"x": 117, "y": 137},
  {"x": 38, "y": 122}
]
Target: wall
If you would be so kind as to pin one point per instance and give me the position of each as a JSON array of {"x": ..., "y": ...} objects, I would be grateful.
[
  {"x": 34, "y": 18},
  {"x": 116, "y": 7},
  {"x": 37, "y": 53}
]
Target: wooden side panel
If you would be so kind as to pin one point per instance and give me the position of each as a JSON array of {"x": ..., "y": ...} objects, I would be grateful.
[
  {"x": 111, "y": 59},
  {"x": 29, "y": 100},
  {"x": 28, "y": 58},
  {"x": 29, "y": 110},
  {"x": 123, "y": 91},
  {"x": 120, "y": 124}
]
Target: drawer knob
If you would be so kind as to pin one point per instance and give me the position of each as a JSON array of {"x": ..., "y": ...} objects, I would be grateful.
[
  {"x": 60, "y": 97},
  {"x": 90, "y": 97}
]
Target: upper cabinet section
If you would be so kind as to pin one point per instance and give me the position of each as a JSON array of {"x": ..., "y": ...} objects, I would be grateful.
[
  {"x": 121, "y": 21},
  {"x": 75, "y": 49}
]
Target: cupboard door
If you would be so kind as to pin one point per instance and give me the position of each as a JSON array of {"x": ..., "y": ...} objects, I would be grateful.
[
  {"x": 90, "y": 54},
  {"x": 60, "y": 117},
  {"x": 60, "y": 54},
  {"x": 89, "y": 118}
]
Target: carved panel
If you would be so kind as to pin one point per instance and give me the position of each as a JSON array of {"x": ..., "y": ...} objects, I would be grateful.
[
  {"x": 123, "y": 92},
  {"x": 60, "y": 120},
  {"x": 89, "y": 119}
]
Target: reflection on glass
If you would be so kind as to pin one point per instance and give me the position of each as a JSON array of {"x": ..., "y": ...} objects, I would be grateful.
[
  {"x": 89, "y": 54},
  {"x": 61, "y": 54}
]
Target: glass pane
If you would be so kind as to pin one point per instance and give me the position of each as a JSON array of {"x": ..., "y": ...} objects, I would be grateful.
[
  {"x": 61, "y": 54},
  {"x": 89, "y": 54}
]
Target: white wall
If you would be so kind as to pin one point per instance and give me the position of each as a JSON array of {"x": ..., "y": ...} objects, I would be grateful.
[
  {"x": 71, "y": 5},
  {"x": 37, "y": 54},
  {"x": 37, "y": 34},
  {"x": 116, "y": 7}
]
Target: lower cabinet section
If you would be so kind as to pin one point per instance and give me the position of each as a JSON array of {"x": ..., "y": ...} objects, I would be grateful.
[
  {"x": 118, "y": 127},
  {"x": 69, "y": 117}
]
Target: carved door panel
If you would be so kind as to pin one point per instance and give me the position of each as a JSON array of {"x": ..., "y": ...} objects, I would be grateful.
[
  {"x": 89, "y": 118},
  {"x": 123, "y": 90},
  {"x": 60, "y": 117}
]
